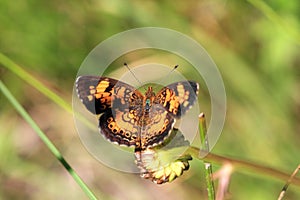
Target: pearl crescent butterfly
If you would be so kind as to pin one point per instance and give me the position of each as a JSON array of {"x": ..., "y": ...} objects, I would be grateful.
[{"x": 127, "y": 117}]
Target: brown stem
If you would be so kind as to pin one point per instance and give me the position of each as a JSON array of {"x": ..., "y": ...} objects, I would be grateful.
[{"x": 242, "y": 165}]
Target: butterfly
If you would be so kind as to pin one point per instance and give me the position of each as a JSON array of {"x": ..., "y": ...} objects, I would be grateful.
[{"x": 127, "y": 117}]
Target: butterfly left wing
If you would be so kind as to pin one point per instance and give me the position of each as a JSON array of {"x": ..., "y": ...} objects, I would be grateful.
[
  {"x": 95, "y": 92},
  {"x": 117, "y": 103},
  {"x": 177, "y": 98}
]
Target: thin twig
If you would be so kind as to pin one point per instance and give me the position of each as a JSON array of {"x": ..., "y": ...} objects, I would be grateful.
[
  {"x": 285, "y": 187},
  {"x": 244, "y": 165}
]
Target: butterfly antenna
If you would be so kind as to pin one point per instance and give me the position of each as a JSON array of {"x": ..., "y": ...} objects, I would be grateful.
[
  {"x": 125, "y": 64},
  {"x": 174, "y": 68}
]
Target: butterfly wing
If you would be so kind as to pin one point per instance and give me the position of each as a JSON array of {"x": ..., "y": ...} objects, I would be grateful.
[
  {"x": 118, "y": 104},
  {"x": 120, "y": 124},
  {"x": 169, "y": 104},
  {"x": 121, "y": 107},
  {"x": 95, "y": 92},
  {"x": 178, "y": 97},
  {"x": 117, "y": 130},
  {"x": 159, "y": 128}
]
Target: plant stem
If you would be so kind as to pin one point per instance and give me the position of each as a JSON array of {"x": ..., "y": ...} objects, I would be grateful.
[
  {"x": 208, "y": 166},
  {"x": 243, "y": 165}
]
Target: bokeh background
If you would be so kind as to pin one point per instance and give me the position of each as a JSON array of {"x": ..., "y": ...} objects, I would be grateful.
[{"x": 254, "y": 43}]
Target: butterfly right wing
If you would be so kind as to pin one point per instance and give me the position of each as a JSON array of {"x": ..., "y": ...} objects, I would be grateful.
[
  {"x": 177, "y": 98},
  {"x": 117, "y": 103},
  {"x": 159, "y": 128}
]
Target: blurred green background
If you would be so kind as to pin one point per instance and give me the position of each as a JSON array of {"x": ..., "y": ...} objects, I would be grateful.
[{"x": 255, "y": 46}]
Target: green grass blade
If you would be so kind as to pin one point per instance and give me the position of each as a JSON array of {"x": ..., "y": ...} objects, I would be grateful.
[
  {"x": 46, "y": 141},
  {"x": 9, "y": 64},
  {"x": 35, "y": 83}
]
